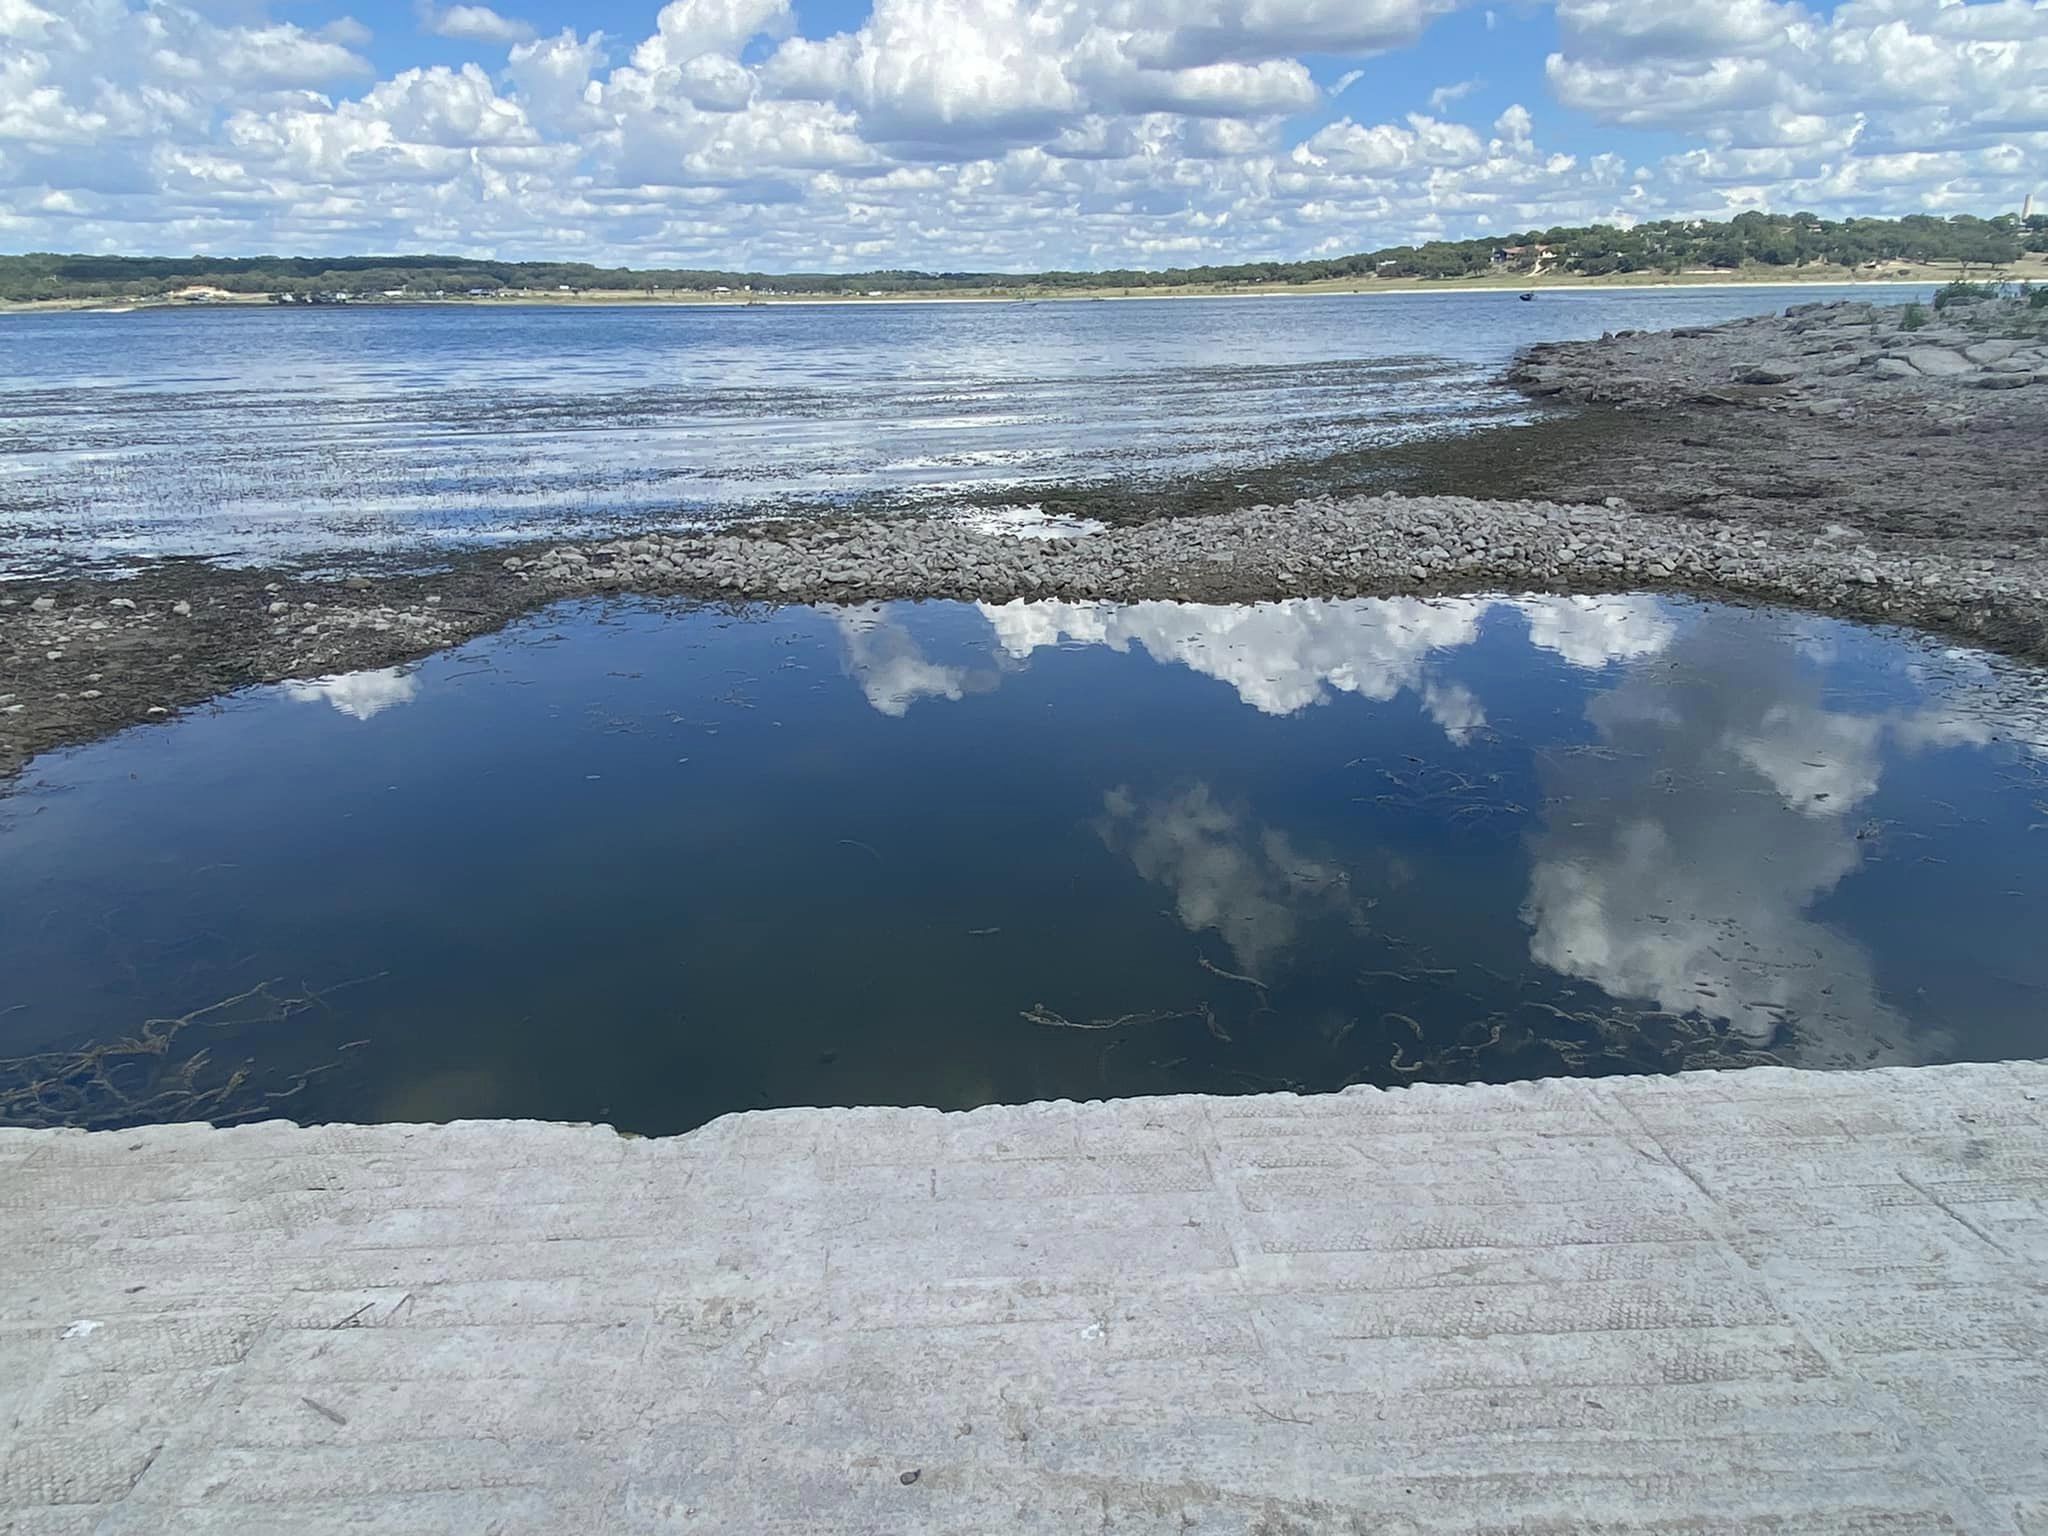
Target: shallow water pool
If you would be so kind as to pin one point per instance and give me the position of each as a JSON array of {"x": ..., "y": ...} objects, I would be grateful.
[{"x": 647, "y": 863}]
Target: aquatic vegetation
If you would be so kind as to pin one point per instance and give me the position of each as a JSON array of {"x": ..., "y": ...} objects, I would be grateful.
[{"x": 163, "y": 1071}]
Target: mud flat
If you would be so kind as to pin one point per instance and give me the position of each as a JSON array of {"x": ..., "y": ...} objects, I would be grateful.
[
  {"x": 1765, "y": 1300},
  {"x": 1832, "y": 458}
]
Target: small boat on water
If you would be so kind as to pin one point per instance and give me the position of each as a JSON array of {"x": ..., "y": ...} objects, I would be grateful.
[{"x": 1526, "y": 298}]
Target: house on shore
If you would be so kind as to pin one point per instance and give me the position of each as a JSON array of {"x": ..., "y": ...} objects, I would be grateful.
[{"x": 1523, "y": 255}]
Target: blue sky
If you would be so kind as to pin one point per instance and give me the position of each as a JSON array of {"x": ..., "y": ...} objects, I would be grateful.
[
  {"x": 993, "y": 133},
  {"x": 1496, "y": 53}
]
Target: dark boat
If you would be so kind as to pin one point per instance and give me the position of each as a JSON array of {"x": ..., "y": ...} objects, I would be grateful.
[{"x": 1527, "y": 298}]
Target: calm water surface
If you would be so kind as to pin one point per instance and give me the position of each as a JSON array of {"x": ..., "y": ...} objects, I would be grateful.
[
  {"x": 261, "y": 435},
  {"x": 647, "y": 864}
]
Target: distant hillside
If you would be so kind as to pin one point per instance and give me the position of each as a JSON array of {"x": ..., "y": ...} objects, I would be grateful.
[{"x": 1670, "y": 246}]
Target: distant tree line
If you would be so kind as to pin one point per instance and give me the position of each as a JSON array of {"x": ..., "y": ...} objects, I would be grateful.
[{"x": 1667, "y": 246}]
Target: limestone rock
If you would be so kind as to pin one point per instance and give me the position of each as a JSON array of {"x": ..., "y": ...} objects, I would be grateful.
[{"x": 1937, "y": 362}]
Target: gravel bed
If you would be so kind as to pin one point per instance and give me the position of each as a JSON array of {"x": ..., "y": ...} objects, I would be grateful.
[{"x": 1324, "y": 546}]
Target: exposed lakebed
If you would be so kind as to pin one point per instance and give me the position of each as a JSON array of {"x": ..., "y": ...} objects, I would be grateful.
[{"x": 646, "y": 863}]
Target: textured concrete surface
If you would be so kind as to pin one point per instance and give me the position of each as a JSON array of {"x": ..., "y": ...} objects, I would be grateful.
[{"x": 1761, "y": 1301}]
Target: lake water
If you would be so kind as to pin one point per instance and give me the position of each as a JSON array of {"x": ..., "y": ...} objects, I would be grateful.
[
  {"x": 258, "y": 435},
  {"x": 646, "y": 864}
]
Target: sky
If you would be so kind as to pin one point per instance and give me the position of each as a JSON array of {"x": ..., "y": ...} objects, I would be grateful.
[{"x": 792, "y": 135}]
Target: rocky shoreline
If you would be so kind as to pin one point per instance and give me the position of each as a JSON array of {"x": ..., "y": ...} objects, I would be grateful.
[
  {"x": 1818, "y": 359},
  {"x": 84, "y": 656}
]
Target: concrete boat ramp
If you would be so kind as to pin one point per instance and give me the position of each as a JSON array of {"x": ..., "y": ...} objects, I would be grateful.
[{"x": 1765, "y": 1301}]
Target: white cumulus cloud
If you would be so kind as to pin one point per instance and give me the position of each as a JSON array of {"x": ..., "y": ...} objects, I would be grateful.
[
  {"x": 992, "y": 133},
  {"x": 1874, "y": 106},
  {"x": 473, "y": 23}
]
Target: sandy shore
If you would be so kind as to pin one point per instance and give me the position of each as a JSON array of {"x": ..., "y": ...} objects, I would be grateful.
[
  {"x": 1803, "y": 460},
  {"x": 1791, "y": 278}
]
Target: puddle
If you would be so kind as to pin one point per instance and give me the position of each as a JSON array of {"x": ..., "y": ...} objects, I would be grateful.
[{"x": 648, "y": 864}]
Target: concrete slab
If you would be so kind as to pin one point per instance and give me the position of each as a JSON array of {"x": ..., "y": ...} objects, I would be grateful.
[{"x": 1722, "y": 1302}]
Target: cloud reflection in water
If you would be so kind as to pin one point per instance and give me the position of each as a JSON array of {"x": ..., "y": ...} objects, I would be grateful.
[
  {"x": 360, "y": 695},
  {"x": 1227, "y": 874},
  {"x": 884, "y": 659},
  {"x": 1278, "y": 657},
  {"x": 1685, "y": 852},
  {"x": 1678, "y": 859}
]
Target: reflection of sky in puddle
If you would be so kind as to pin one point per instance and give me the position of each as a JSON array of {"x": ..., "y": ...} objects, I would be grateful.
[
  {"x": 360, "y": 695},
  {"x": 888, "y": 852},
  {"x": 1691, "y": 885}
]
